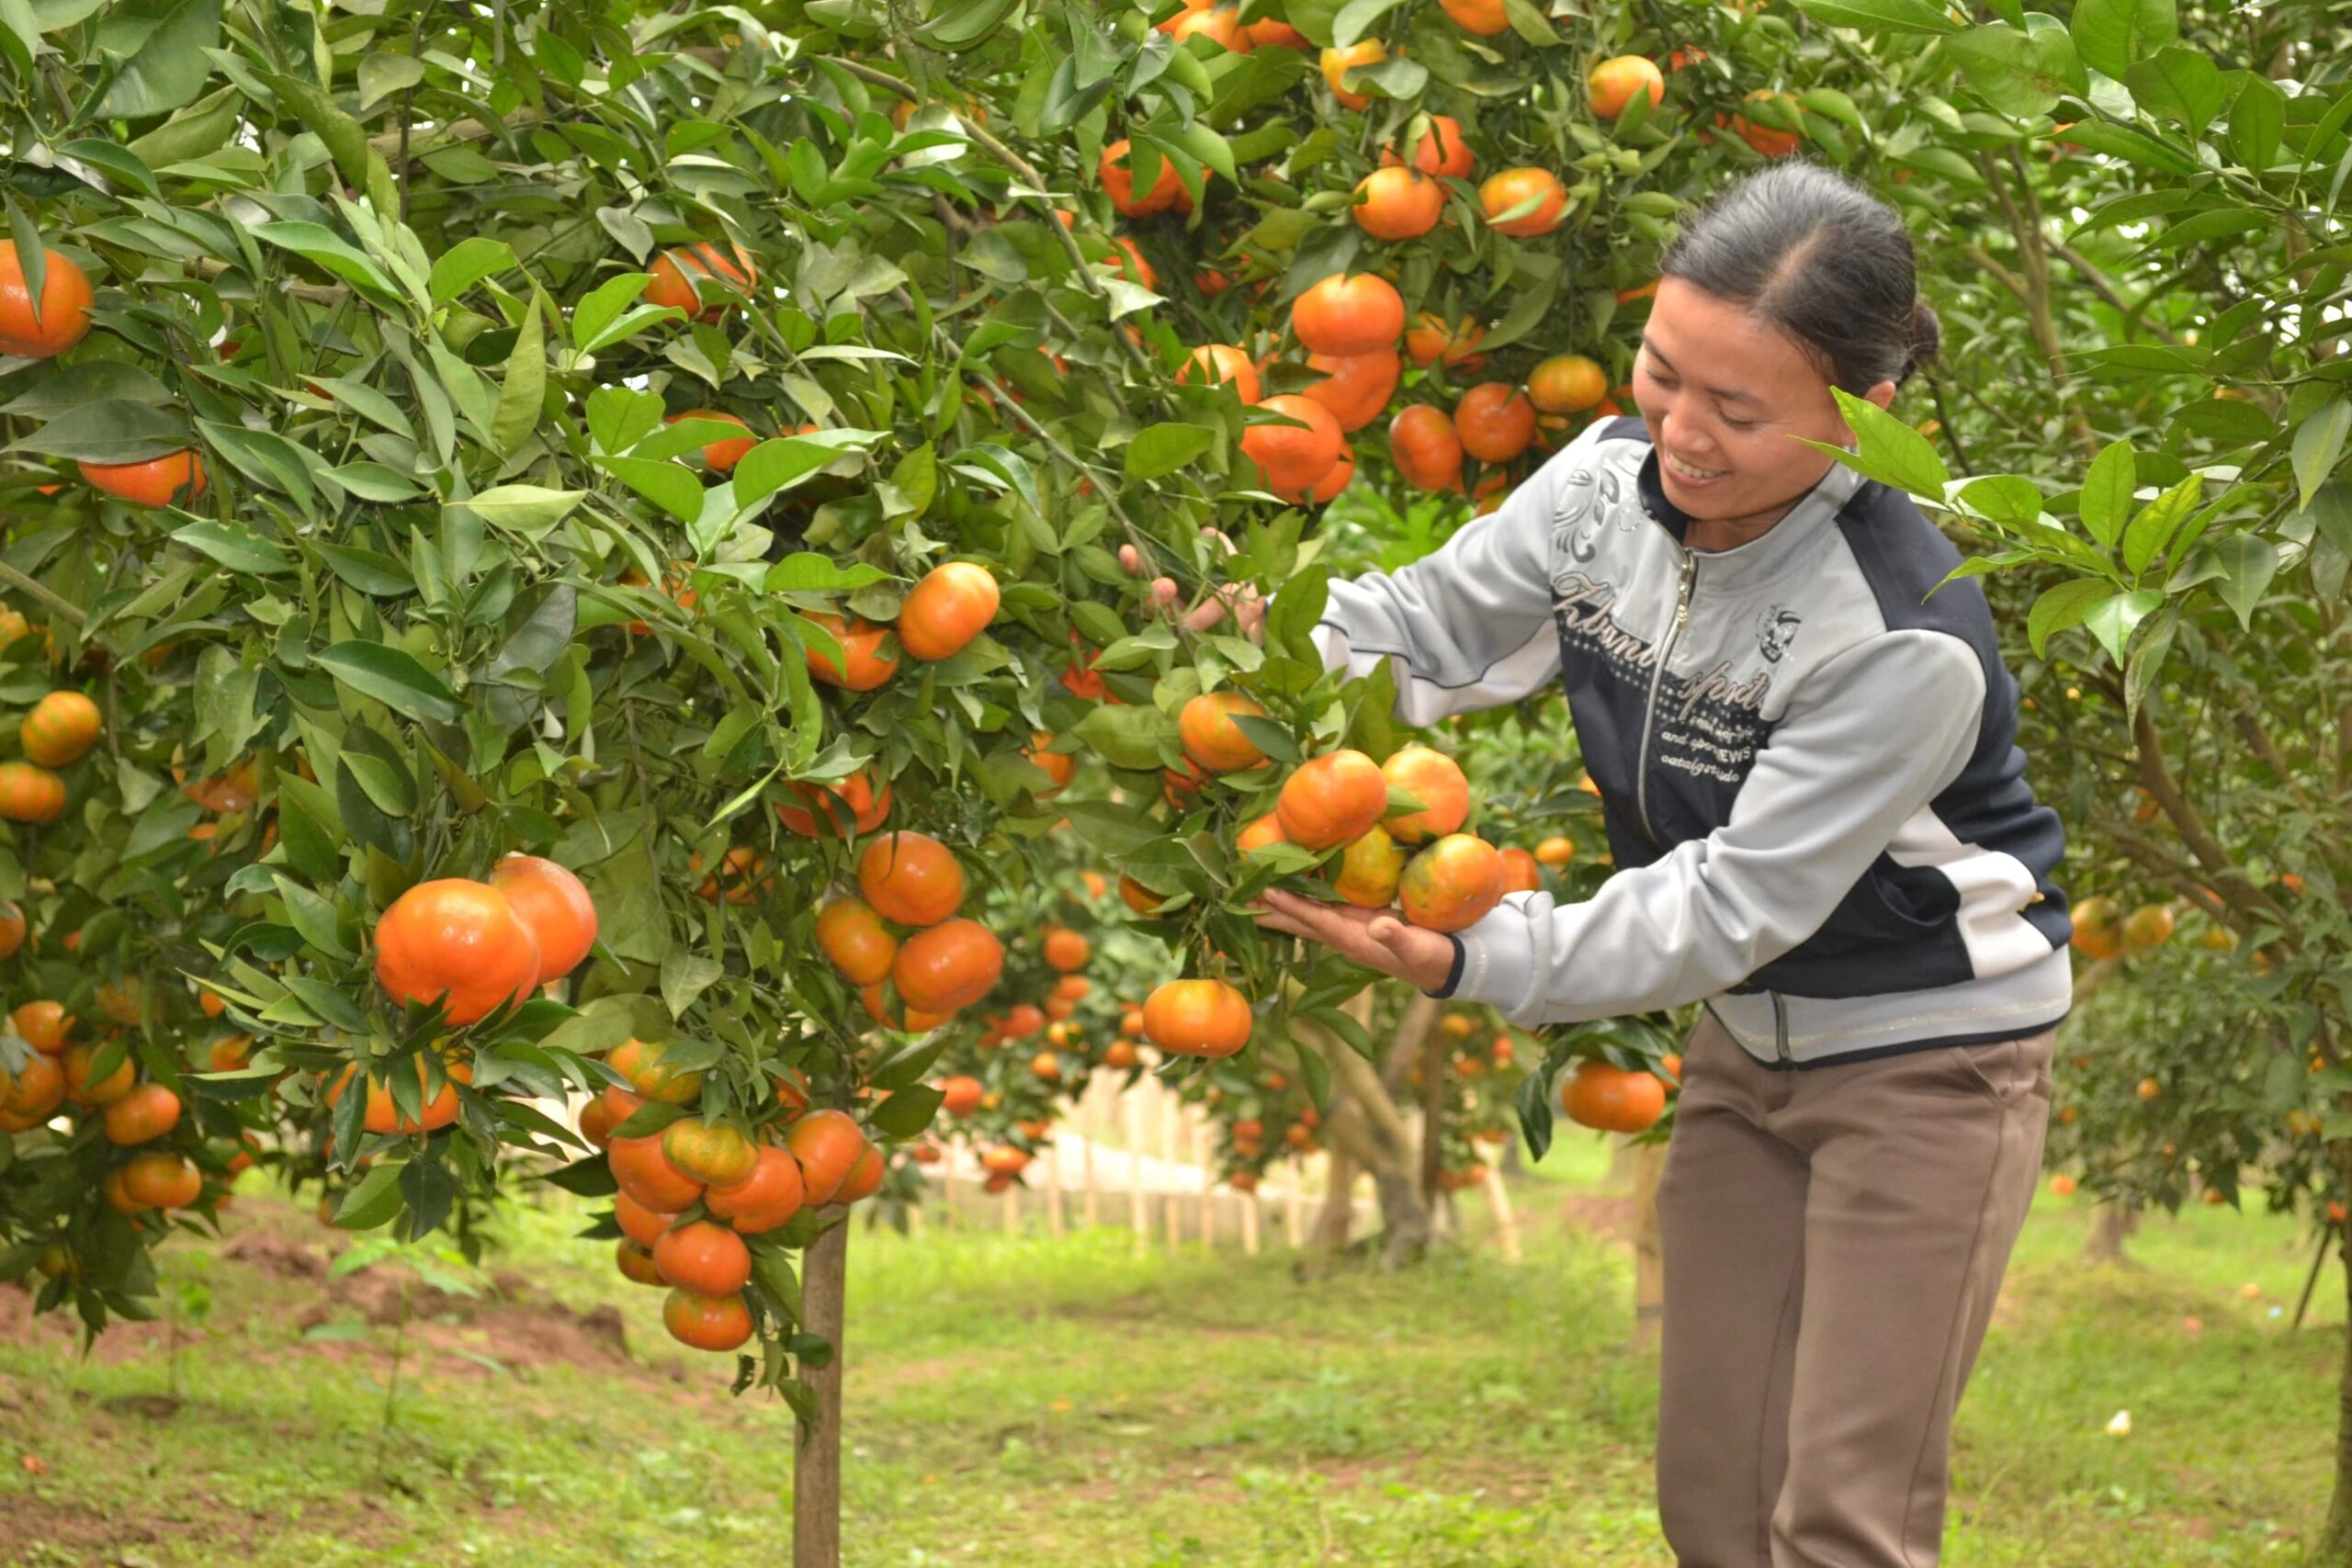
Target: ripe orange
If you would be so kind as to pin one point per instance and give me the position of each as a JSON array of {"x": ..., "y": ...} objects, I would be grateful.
[
  {"x": 1398, "y": 203},
  {"x": 1004, "y": 1161},
  {"x": 952, "y": 604},
  {"x": 1438, "y": 149},
  {"x": 1484, "y": 18},
  {"x": 1212, "y": 740},
  {"x": 652, "y": 1074},
  {"x": 2061, "y": 1186},
  {"x": 1138, "y": 897},
  {"x": 556, "y": 907},
  {"x": 766, "y": 1199},
  {"x": 850, "y": 804},
  {"x": 1222, "y": 362},
  {"x": 458, "y": 943},
  {"x": 2099, "y": 928},
  {"x": 722, "y": 456},
  {"x": 1611, "y": 1099},
  {"x": 1058, "y": 766},
  {"x": 159, "y": 1181},
  {"x": 1369, "y": 869},
  {"x": 635, "y": 1262},
  {"x": 1355, "y": 387},
  {"x": 960, "y": 1095},
  {"x": 1770, "y": 141},
  {"x": 596, "y": 1120},
  {"x": 147, "y": 1112},
  {"x": 827, "y": 1144},
  {"x": 1219, "y": 24},
  {"x": 868, "y": 662},
  {"x": 2148, "y": 926},
  {"x": 1337, "y": 63},
  {"x": 1118, "y": 181},
  {"x": 1046, "y": 1066},
  {"x": 1295, "y": 460},
  {"x": 676, "y": 275},
  {"x": 382, "y": 1113},
  {"x": 1332, "y": 799},
  {"x": 43, "y": 1025},
  {"x": 1066, "y": 950},
  {"x": 707, "y": 1323},
  {"x": 61, "y": 729},
  {"x": 64, "y": 314},
  {"x": 1025, "y": 1020},
  {"x": 1424, "y": 448},
  {"x": 1266, "y": 830},
  {"x": 865, "y": 1177},
  {"x": 708, "y": 1259},
  {"x": 645, "y": 1173},
  {"x": 1615, "y": 81},
  {"x": 711, "y": 1152},
  {"x": 30, "y": 794},
  {"x": 1272, "y": 34},
  {"x": 911, "y": 878},
  {"x": 1557, "y": 851},
  {"x": 1432, "y": 338},
  {"x": 951, "y": 965},
  {"x": 1521, "y": 872},
  {"x": 12, "y": 937},
  {"x": 1494, "y": 422},
  {"x": 1568, "y": 383},
  {"x": 1127, "y": 260},
  {"x": 1523, "y": 202},
  {"x": 34, "y": 1095},
  {"x": 1344, "y": 314},
  {"x": 1337, "y": 478},
  {"x": 1197, "y": 1017},
  {"x": 1120, "y": 1054},
  {"x": 1436, "y": 781},
  {"x": 1451, "y": 885},
  {"x": 852, "y": 935}
]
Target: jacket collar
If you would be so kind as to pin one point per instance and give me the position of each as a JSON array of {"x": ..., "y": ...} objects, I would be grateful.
[{"x": 1768, "y": 553}]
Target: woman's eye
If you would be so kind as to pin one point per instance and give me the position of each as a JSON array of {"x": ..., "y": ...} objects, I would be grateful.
[{"x": 1740, "y": 423}]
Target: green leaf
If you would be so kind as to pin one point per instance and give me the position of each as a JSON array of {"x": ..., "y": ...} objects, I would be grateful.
[
  {"x": 597, "y": 321},
  {"x": 170, "y": 66},
  {"x": 685, "y": 976},
  {"x": 373, "y": 1202},
  {"x": 2008, "y": 499},
  {"x": 2113, "y": 620},
  {"x": 669, "y": 486},
  {"x": 94, "y": 381},
  {"x": 111, "y": 431},
  {"x": 1355, "y": 20},
  {"x": 2154, "y": 526},
  {"x": 2019, "y": 73},
  {"x": 2112, "y": 34},
  {"x": 2178, "y": 83},
  {"x": 1882, "y": 16},
  {"x": 2061, "y": 607},
  {"x": 1160, "y": 449},
  {"x": 235, "y": 546},
  {"x": 382, "y": 74},
  {"x": 906, "y": 1113},
  {"x": 319, "y": 245},
  {"x": 1889, "y": 450},
  {"x": 2257, "y": 123},
  {"x": 2319, "y": 443},
  {"x": 372, "y": 481},
  {"x": 468, "y": 263},
  {"x": 2248, "y": 562},
  {"x": 392, "y": 678},
  {"x": 783, "y": 461},
  {"x": 524, "y": 391},
  {"x": 804, "y": 572},
  {"x": 343, "y": 138},
  {"x": 2106, "y": 498},
  {"x": 1114, "y": 831},
  {"x": 2132, "y": 146},
  {"x": 1128, "y": 736},
  {"x": 528, "y": 510}
]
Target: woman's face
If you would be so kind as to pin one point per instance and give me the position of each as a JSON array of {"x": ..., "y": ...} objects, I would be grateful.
[{"x": 1729, "y": 400}]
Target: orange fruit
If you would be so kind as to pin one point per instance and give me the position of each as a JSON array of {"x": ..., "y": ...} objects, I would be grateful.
[
  {"x": 12, "y": 937},
  {"x": 1398, "y": 203},
  {"x": 1437, "y": 149},
  {"x": 1520, "y": 871},
  {"x": 1436, "y": 781},
  {"x": 677, "y": 272},
  {"x": 1058, "y": 766},
  {"x": 951, "y": 965},
  {"x": 827, "y": 1144},
  {"x": 147, "y": 1112},
  {"x": 83, "y": 1090},
  {"x": 1568, "y": 383},
  {"x": 722, "y": 456},
  {"x": 1424, "y": 448},
  {"x": 711, "y": 1152},
  {"x": 1025, "y": 1020},
  {"x": 1272, "y": 34},
  {"x": 1219, "y": 24},
  {"x": 596, "y": 1120},
  {"x": 1355, "y": 387},
  {"x": 1336, "y": 478},
  {"x": 1432, "y": 338},
  {"x": 1046, "y": 1066},
  {"x": 61, "y": 729},
  {"x": 709, "y": 1259},
  {"x": 1369, "y": 869},
  {"x": 707, "y": 1323},
  {"x": 556, "y": 907},
  {"x": 952, "y": 604},
  {"x": 1615, "y": 81},
  {"x": 1494, "y": 422},
  {"x": 64, "y": 314},
  {"x": 911, "y": 878},
  {"x": 2061, "y": 1186},
  {"x": 635, "y": 1262},
  {"x": 960, "y": 1095},
  {"x": 1066, "y": 951},
  {"x": 1611, "y": 1099},
  {"x": 1197, "y": 1017},
  {"x": 1118, "y": 182},
  {"x": 30, "y": 794},
  {"x": 865, "y": 1177},
  {"x": 766, "y": 1199},
  {"x": 2149, "y": 926},
  {"x": 2099, "y": 928},
  {"x": 1337, "y": 63},
  {"x": 1484, "y": 18},
  {"x": 1138, "y": 897},
  {"x": 1222, "y": 362},
  {"x": 850, "y": 807},
  {"x": 867, "y": 664},
  {"x": 43, "y": 1025},
  {"x": 1211, "y": 738},
  {"x": 1770, "y": 141},
  {"x": 852, "y": 935},
  {"x": 382, "y": 1112},
  {"x": 1331, "y": 800},
  {"x": 1503, "y": 197},
  {"x": 1451, "y": 884},
  {"x": 159, "y": 1181},
  {"x": 1295, "y": 460},
  {"x": 645, "y": 1173},
  {"x": 652, "y": 1074},
  {"x": 1266, "y": 830},
  {"x": 1344, "y": 314},
  {"x": 456, "y": 942}
]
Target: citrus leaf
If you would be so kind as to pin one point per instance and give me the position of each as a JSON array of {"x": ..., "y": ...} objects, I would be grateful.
[{"x": 392, "y": 677}]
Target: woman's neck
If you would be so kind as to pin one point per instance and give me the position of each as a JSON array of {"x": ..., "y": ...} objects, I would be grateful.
[{"x": 1713, "y": 533}]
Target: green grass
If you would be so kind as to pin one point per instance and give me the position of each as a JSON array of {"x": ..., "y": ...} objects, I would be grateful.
[{"x": 1040, "y": 1403}]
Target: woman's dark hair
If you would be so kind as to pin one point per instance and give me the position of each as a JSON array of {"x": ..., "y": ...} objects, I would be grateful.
[{"x": 1823, "y": 259}]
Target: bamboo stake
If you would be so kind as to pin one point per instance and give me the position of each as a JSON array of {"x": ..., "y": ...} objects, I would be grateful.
[
  {"x": 1499, "y": 1200},
  {"x": 1137, "y": 1219},
  {"x": 1054, "y": 1189},
  {"x": 1203, "y": 1153},
  {"x": 1295, "y": 1206}
]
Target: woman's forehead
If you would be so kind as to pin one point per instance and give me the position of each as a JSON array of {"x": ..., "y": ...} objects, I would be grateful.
[{"x": 1718, "y": 345}]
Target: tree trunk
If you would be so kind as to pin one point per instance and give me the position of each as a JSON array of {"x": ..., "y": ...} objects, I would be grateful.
[
  {"x": 1363, "y": 1125},
  {"x": 1433, "y": 1069},
  {"x": 1649, "y": 1252},
  {"x": 1336, "y": 1220},
  {"x": 817, "y": 1453},
  {"x": 2111, "y": 1221},
  {"x": 2335, "y": 1545}
]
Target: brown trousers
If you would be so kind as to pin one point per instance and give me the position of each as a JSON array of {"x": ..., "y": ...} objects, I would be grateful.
[{"x": 1834, "y": 1240}]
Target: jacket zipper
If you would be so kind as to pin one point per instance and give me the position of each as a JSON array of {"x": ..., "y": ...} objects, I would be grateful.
[
  {"x": 1780, "y": 1025},
  {"x": 1657, "y": 679}
]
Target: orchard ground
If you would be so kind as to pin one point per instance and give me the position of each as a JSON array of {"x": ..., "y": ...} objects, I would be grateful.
[{"x": 1069, "y": 1402}]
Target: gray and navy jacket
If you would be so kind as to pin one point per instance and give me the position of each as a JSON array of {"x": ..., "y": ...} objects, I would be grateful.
[{"x": 1805, "y": 749}]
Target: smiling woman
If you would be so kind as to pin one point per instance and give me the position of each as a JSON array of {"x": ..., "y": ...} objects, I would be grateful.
[{"x": 1803, "y": 738}]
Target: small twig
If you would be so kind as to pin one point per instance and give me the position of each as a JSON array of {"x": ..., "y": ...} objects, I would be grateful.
[{"x": 56, "y": 605}]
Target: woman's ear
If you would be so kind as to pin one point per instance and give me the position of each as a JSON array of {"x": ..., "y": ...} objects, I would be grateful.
[{"x": 1883, "y": 394}]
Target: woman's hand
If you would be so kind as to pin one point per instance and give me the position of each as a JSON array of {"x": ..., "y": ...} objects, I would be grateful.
[
  {"x": 1374, "y": 938},
  {"x": 1242, "y": 602}
]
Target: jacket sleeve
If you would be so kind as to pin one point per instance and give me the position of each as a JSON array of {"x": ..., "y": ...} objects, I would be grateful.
[
  {"x": 1875, "y": 736},
  {"x": 1469, "y": 626}
]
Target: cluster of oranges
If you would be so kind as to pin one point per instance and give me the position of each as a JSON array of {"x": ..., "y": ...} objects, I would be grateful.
[
  {"x": 475, "y": 947},
  {"x": 952, "y": 604},
  {"x": 2102, "y": 930},
  {"x": 915, "y": 961},
  {"x": 100, "y": 1080},
  {"x": 57, "y": 733}
]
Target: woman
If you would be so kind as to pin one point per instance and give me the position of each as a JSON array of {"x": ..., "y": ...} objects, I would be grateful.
[{"x": 1804, "y": 743}]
